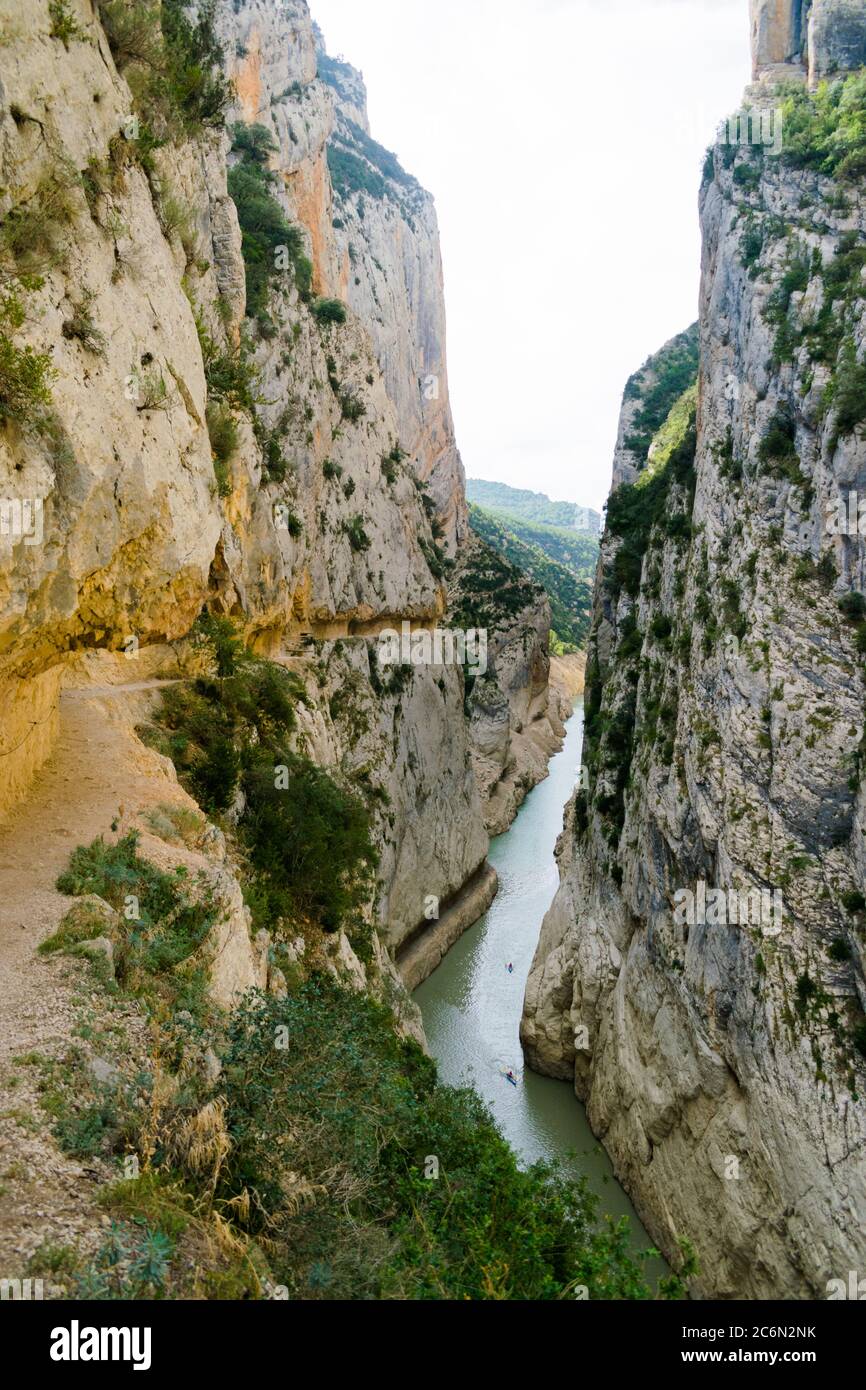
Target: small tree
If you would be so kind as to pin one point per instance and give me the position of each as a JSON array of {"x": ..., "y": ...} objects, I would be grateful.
[{"x": 330, "y": 311}]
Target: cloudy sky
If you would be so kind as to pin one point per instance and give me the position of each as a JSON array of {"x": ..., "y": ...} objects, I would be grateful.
[{"x": 563, "y": 141}]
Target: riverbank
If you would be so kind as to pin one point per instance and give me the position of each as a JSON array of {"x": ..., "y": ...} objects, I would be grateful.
[
  {"x": 568, "y": 676},
  {"x": 472, "y": 1004}
]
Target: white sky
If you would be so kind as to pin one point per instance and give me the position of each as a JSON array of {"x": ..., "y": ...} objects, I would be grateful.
[{"x": 563, "y": 141}]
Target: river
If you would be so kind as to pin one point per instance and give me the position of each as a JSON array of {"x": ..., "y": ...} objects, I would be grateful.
[{"x": 472, "y": 1005}]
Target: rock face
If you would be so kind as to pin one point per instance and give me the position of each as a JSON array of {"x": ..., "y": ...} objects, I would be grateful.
[
  {"x": 515, "y": 716},
  {"x": 825, "y": 36},
  {"x": 115, "y": 530},
  {"x": 778, "y": 32},
  {"x": 720, "y": 1050},
  {"x": 837, "y": 36},
  {"x": 649, "y": 395},
  {"x": 390, "y": 272}
]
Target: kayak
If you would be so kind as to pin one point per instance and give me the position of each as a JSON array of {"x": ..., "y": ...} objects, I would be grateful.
[{"x": 512, "y": 1079}]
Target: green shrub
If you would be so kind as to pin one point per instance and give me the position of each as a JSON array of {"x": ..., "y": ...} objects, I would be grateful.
[
  {"x": 81, "y": 326},
  {"x": 794, "y": 280},
  {"x": 273, "y": 458},
  {"x": 223, "y": 431},
  {"x": 806, "y": 991},
  {"x": 231, "y": 374},
  {"x": 854, "y": 902},
  {"x": 661, "y": 627},
  {"x": 352, "y": 407},
  {"x": 778, "y": 446},
  {"x": 306, "y": 838},
  {"x": 254, "y": 142},
  {"x": 709, "y": 169},
  {"x": 330, "y": 311},
  {"x": 85, "y": 1132},
  {"x": 169, "y": 927},
  {"x": 174, "y": 63},
  {"x": 751, "y": 247},
  {"x": 25, "y": 381},
  {"x": 359, "y": 164},
  {"x": 350, "y": 174},
  {"x": 229, "y": 652},
  {"x": 154, "y": 392},
  {"x": 177, "y": 218},
  {"x": 133, "y": 30},
  {"x": 825, "y": 130},
  {"x": 657, "y": 386},
  {"x": 848, "y": 395},
  {"x": 364, "y": 1111},
  {"x": 823, "y": 573},
  {"x": 853, "y": 606},
  {"x": 747, "y": 176},
  {"x": 635, "y": 508},
  {"x": 266, "y": 232},
  {"x": 391, "y": 463},
  {"x": 358, "y": 538},
  {"x": 131, "y": 1263},
  {"x": 308, "y": 842},
  {"x": 33, "y": 233},
  {"x": 63, "y": 23}
]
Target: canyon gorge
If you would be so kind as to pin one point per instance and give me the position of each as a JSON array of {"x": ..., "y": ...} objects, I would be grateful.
[
  {"x": 722, "y": 1064},
  {"x": 234, "y": 840}
]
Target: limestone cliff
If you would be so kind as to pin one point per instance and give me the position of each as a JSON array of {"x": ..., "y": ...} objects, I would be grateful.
[
  {"x": 389, "y": 269},
  {"x": 337, "y": 511},
  {"x": 722, "y": 1052},
  {"x": 824, "y": 36},
  {"x": 515, "y": 714}
]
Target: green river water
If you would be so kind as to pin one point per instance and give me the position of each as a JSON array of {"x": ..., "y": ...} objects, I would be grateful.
[{"x": 472, "y": 1004}]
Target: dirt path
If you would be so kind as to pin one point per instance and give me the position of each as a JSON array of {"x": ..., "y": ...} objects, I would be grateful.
[
  {"x": 99, "y": 773},
  {"x": 95, "y": 769}
]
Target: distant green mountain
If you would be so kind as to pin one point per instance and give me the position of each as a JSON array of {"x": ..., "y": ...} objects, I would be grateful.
[
  {"x": 576, "y": 550},
  {"x": 532, "y": 506},
  {"x": 660, "y": 382},
  {"x": 561, "y": 561}
]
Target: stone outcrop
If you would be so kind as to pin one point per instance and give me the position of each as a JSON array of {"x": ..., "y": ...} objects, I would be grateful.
[
  {"x": 822, "y": 37},
  {"x": 837, "y": 37},
  {"x": 389, "y": 269},
  {"x": 141, "y": 288},
  {"x": 721, "y": 1054},
  {"x": 648, "y": 397},
  {"x": 778, "y": 32},
  {"x": 515, "y": 715}
]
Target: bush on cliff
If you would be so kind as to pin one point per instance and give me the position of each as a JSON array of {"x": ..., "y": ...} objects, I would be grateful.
[
  {"x": 327, "y": 1159},
  {"x": 267, "y": 235},
  {"x": 825, "y": 130},
  {"x": 174, "y": 63},
  {"x": 394, "y": 1186},
  {"x": 306, "y": 838},
  {"x": 165, "y": 919}
]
